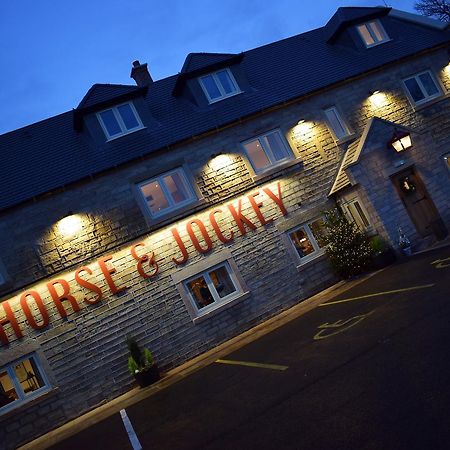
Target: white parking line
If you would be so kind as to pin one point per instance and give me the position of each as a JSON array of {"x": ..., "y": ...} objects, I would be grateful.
[{"x": 131, "y": 433}]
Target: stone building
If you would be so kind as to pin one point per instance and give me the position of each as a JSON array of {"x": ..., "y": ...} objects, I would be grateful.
[{"x": 186, "y": 210}]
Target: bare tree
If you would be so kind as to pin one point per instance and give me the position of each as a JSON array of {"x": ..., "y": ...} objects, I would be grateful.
[{"x": 437, "y": 8}]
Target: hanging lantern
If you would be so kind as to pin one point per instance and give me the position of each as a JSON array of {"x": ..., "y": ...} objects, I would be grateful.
[{"x": 401, "y": 140}]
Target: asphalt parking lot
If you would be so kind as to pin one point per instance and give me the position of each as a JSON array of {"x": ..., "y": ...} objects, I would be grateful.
[{"x": 368, "y": 369}]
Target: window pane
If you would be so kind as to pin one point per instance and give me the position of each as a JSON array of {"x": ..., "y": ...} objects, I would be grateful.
[
  {"x": 335, "y": 123},
  {"x": 7, "y": 392},
  {"x": 301, "y": 242},
  {"x": 319, "y": 232},
  {"x": 274, "y": 141},
  {"x": 376, "y": 31},
  {"x": 200, "y": 292},
  {"x": 257, "y": 155},
  {"x": 155, "y": 197},
  {"x": 176, "y": 187},
  {"x": 28, "y": 376},
  {"x": 225, "y": 81},
  {"x": 128, "y": 117},
  {"x": 366, "y": 35},
  {"x": 364, "y": 219},
  {"x": 211, "y": 87},
  {"x": 222, "y": 281},
  {"x": 414, "y": 89},
  {"x": 110, "y": 122},
  {"x": 428, "y": 84}
]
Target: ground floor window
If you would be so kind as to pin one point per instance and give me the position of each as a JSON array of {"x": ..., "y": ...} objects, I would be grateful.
[
  {"x": 356, "y": 213},
  {"x": 20, "y": 381},
  {"x": 209, "y": 286},
  {"x": 309, "y": 239}
]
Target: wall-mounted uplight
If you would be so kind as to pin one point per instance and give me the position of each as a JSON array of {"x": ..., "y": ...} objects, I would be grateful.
[
  {"x": 377, "y": 98},
  {"x": 401, "y": 141},
  {"x": 70, "y": 224},
  {"x": 303, "y": 127},
  {"x": 219, "y": 161}
]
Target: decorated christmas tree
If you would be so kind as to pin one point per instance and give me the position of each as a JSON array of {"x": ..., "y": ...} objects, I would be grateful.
[{"x": 348, "y": 248}]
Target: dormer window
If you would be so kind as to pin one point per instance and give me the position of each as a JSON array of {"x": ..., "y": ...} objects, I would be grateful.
[
  {"x": 372, "y": 33},
  {"x": 219, "y": 85},
  {"x": 119, "y": 120}
]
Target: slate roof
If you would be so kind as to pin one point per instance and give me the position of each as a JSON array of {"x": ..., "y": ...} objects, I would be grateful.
[
  {"x": 103, "y": 93},
  {"x": 198, "y": 61},
  {"x": 52, "y": 153}
]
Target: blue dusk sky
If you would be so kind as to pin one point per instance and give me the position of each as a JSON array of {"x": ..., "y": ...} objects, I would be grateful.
[{"x": 52, "y": 52}]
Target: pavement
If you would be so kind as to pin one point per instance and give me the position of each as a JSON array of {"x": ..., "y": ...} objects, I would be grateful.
[{"x": 362, "y": 365}]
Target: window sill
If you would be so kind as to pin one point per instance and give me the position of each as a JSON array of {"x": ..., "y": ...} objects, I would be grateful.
[
  {"x": 316, "y": 258},
  {"x": 221, "y": 307},
  {"x": 211, "y": 102},
  {"x": 430, "y": 102},
  {"x": 177, "y": 214},
  {"x": 125, "y": 134},
  {"x": 275, "y": 169},
  {"x": 376, "y": 44},
  {"x": 345, "y": 139},
  {"x": 28, "y": 403}
]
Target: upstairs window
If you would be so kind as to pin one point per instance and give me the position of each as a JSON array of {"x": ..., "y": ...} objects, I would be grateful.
[
  {"x": 219, "y": 85},
  {"x": 20, "y": 381},
  {"x": 119, "y": 120},
  {"x": 336, "y": 124},
  {"x": 372, "y": 33},
  {"x": 167, "y": 192},
  {"x": 309, "y": 239},
  {"x": 422, "y": 87},
  {"x": 267, "y": 150},
  {"x": 447, "y": 161}
]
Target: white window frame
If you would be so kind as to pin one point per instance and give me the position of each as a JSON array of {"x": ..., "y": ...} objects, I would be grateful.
[
  {"x": 24, "y": 397},
  {"x": 318, "y": 251},
  {"x": 422, "y": 88},
  {"x": 219, "y": 85},
  {"x": 201, "y": 268},
  {"x": 172, "y": 205},
  {"x": 369, "y": 27},
  {"x": 359, "y": 222},
  {"x": 446, "y": 159},
  {"x": 267, "y": 150},
  {"x": 118, "y": 117},
  {"x": 334, "y": 111}
]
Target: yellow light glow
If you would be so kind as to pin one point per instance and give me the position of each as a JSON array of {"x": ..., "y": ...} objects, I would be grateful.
[
  {"x": 303, "y": 127},
  {"x": 220, "y": 161},
  {"x": 378, "y": 99},
  {"x": 70, "y": 225}
]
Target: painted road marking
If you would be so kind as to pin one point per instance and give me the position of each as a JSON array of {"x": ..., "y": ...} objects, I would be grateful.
[
  {"x": 131, "y": 433},
  {"x": 378, "y": 294},
  {"x": 251, "y": 364},
  {"x": 440, "y": 263},
  {"x": 339, "y": 326}
]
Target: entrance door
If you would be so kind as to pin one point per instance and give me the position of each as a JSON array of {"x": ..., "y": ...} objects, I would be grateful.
[{"x": 419, "y": 204}]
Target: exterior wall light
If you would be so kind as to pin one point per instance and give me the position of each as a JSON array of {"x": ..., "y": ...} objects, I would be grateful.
[
  {"x": 303, "y": 127},
  {"x": 377, "y": 98},
  {"x": 219, "y": 161},
  {"x": 70, "y": 224},
  {"x": 400, "y": 141}
]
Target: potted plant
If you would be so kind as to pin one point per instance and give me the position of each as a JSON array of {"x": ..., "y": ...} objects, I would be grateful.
[
  {"x": 383, "y": 253},
  {"x": 141, "y": 364},
  {"x": 404, "y": 243}
]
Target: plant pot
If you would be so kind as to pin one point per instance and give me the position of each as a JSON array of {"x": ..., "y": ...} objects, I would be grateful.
[
  {"x": 148, "y": 376},
  {"x": 384, "y": 259}
]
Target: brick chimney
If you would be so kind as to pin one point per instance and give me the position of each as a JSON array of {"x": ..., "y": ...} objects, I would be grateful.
[{"x": 140, "y": 74}]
